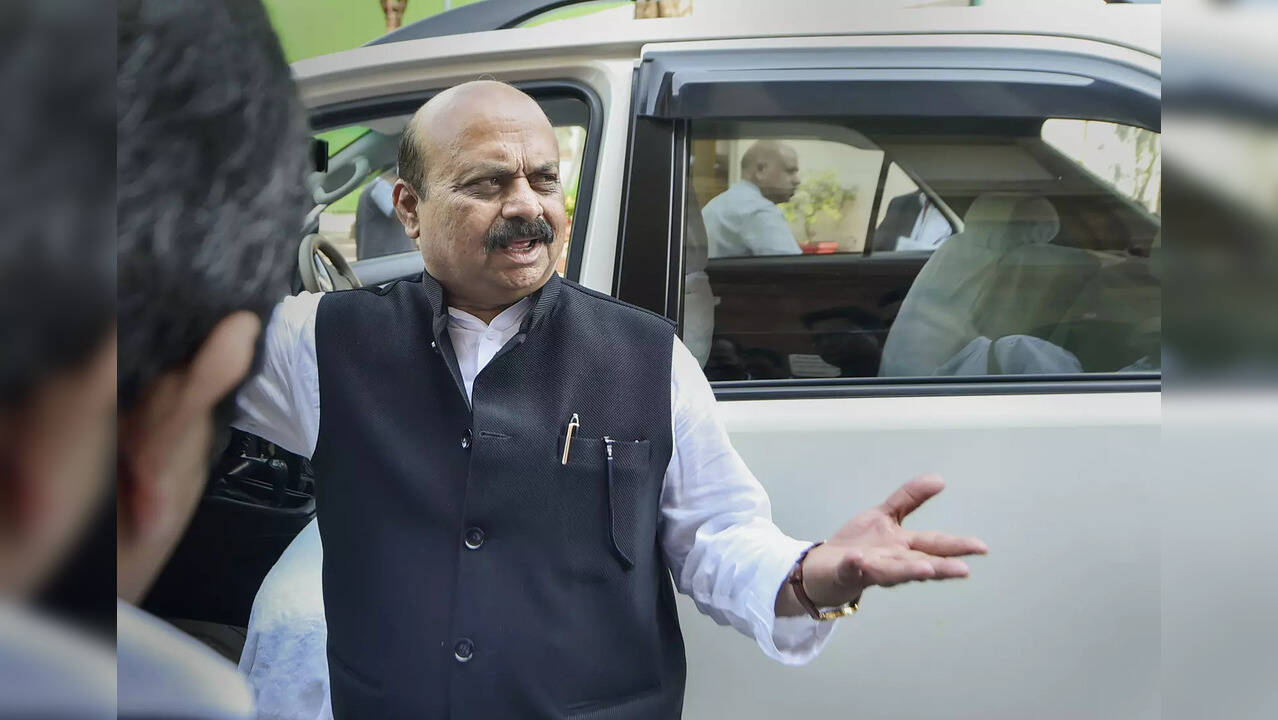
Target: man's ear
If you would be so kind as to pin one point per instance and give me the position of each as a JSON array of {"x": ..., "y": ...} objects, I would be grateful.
[
  {"x": 406, "y": 206},
  {"x": 164, "y": 440}
]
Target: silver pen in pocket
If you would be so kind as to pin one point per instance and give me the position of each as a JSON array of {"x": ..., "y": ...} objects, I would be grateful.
[{"x": 573, "y": 424}]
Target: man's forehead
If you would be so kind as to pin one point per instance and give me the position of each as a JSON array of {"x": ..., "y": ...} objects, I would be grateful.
[
  {"x": 502, "y": 139},
  {"x": 471, "y": 127},
  {"x": 504, "y": 127}
]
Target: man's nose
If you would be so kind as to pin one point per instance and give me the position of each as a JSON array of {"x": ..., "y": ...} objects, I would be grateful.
[{"x": 521, "y": 201}]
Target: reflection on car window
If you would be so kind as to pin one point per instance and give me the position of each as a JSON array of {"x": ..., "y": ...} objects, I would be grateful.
[
  {"x": 362, "y": 223},
  {"x": 993, "y": 250}
]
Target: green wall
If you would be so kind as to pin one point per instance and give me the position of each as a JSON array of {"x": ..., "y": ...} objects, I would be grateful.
[{"x": 317, "y": 27}]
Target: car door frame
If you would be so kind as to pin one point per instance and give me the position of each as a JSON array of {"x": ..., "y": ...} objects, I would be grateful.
[{"x": 387, "y": 268}]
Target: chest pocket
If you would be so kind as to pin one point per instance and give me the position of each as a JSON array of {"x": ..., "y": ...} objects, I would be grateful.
[{"x": 615, "y": 493}]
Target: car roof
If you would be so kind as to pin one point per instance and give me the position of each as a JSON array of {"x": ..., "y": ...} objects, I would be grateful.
[
  {"x": 615, "y": 33},
  {"x": 510, "y": 14}
]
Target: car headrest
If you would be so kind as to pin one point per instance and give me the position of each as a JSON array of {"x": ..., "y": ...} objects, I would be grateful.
[{"x": 1007, "y": 220}]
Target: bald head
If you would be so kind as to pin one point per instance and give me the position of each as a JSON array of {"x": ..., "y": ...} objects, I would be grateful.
[
  {"x": 479, "y": 191},
  {"x": 438, "y": 125},
  {"x": 773, "y": 166},
  {"x": 765, "y": 151}
]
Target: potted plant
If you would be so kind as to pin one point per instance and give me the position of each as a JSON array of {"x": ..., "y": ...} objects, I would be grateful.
[{"x": 816, "y": 210}]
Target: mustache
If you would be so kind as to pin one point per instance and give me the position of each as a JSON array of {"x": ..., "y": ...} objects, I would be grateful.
[{"x": 501, "y": 235}]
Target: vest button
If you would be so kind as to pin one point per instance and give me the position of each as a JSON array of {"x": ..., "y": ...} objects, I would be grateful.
[
  {"x": 464, "y": 650},
  {"x": 474, "y": 538},
  {"x": 466, "y": 440}
]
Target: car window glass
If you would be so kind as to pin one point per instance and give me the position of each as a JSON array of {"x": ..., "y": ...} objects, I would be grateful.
[
  {"x": 1128, "y": 159},
  {"x": 361, "y": 223},
  {"x": 993, "y": 250}
]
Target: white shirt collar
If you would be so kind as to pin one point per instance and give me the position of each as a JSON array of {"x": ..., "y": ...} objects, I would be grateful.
[{"x": 505, "y": 320}]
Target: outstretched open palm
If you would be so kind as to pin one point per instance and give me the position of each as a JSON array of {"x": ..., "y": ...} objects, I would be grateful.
[{"x": 874, "y": 549}]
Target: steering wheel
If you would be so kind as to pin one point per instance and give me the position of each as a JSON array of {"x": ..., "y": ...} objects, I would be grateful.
[{"x": 322, "y": 266}]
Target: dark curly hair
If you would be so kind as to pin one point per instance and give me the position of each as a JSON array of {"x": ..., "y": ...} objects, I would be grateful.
[{"x": 211, "y": 147}]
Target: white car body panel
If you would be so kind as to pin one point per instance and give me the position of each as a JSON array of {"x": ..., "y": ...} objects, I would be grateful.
[{"x": 1061, "y": 620}]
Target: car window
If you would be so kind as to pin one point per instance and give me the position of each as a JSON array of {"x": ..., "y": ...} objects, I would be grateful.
[
  {"x": 1127, "y": 159},
  {"x": 359, "y": 218},
  {"x": 995, "y": 249}
]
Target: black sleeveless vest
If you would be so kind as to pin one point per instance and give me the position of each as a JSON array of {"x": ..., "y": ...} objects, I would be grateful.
[{"x": 468, "y": 572}]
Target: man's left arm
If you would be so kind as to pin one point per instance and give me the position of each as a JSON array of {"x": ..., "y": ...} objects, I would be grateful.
[
  {"x": 725, "y": 552},
  {"x": 717, "y": 531}
]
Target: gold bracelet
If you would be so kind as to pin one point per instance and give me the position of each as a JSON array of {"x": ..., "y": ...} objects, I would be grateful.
[{"x": 847, "y": 610}]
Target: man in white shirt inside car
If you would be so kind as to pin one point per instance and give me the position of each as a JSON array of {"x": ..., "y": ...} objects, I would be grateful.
[{"x": 744, "y": 220}]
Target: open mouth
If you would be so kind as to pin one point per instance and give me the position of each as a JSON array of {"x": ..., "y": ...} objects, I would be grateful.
[
  {"x": 522, "y": 249},
  {"x": 518, "y": 239}
]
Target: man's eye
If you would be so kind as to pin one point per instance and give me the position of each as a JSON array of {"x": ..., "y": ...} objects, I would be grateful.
[{"x": 488, "y": 184}]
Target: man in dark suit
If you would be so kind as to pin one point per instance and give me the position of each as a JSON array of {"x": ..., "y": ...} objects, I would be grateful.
[{"x": 912, "y": 222}]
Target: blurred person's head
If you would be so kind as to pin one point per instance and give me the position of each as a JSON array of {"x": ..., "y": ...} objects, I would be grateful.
[
  {"x": 209, "y": 207},
  {"x": 479, "y": 190},
  {"x": 773, "y": 167},
  {"x": 57, "y": 288},
  {"x": 847, "y": 338}
]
